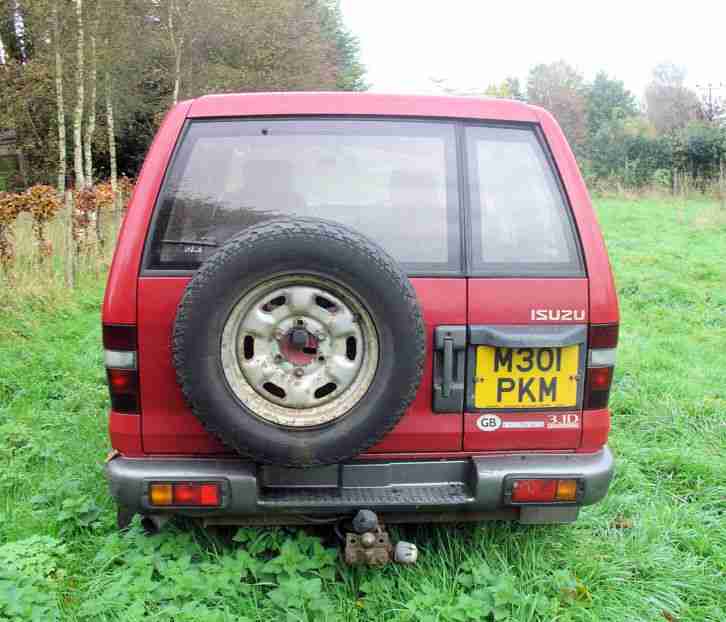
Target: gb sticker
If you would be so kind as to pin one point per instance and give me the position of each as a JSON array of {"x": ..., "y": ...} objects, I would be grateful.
[{"x": 488, "y": 423}]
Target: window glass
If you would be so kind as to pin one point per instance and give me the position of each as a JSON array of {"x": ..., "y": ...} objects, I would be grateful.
[
  {"x": 521, "y": 223},
  {"x": 395, "y": 182}
]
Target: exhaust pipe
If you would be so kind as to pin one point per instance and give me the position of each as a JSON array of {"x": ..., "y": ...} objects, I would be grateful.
[{"x": 153, "y": 523}]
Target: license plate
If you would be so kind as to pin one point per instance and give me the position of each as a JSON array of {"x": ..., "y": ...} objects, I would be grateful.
[{"x": 526, "y": 377}]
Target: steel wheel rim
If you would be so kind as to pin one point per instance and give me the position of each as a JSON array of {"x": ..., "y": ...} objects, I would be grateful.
[{"x": 288, "y": 384}]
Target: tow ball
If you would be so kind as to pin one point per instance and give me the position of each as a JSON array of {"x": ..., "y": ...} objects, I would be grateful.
[{"x": 370, "y": 545}]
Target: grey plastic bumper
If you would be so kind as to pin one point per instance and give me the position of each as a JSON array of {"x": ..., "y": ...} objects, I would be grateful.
[{"x": 452, "y": 486}]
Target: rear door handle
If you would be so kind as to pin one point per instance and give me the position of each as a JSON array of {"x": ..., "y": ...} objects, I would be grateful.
[
  {"x": 448, "y": 378},
  {"x": 449, "y": 369}
]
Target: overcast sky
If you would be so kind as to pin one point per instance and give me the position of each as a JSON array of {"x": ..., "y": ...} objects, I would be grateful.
[{"x": 471, "y": 43}]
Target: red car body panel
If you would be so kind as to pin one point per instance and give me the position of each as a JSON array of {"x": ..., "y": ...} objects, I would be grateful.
[
  {"x": 169, "y": 427},
  {"x": 166, "y": 425},
  {"x": 294, "y": 104},
  {"x": 495, "y": 301},
  {"x": 502, "y": 300},
  {"x": 443, "y": 301}
]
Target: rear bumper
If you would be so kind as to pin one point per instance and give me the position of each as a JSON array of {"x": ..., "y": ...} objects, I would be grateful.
[{"x": 472, "y": 487}]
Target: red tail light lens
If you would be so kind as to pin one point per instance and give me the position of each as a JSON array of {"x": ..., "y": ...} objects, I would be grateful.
[
  {"x": 123, "y": 385},
  {"x": 597, "y": 391},
  {"x": 186, "y": 494},
  {"x": 119, "y": 342},
  {"x": 599, "y": 378},
  {"x": 119, "y": 337},
  {"x": 601, "y": 363},
  {"x": 196, "y": 494},
  {"x": 604, "y": 336},
  {"x": 534, "y": 490}
]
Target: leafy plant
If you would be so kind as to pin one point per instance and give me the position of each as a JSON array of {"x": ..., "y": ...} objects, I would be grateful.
[
  {"x": 77, "y": 514},
  {"x": 27, "y": 569},
  {"x": 287, "y": 573},
  {"x": 38, "y": 556},
  {"x": 72, "y": 511},
  {"x": 301, "y": 599},
  {"x": 25, "y": 599}
]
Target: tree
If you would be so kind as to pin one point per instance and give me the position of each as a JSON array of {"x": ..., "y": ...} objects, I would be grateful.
[
  {"x": 178, "y": 14},
  {"x": 17, "y": 30},
  {"x": 60, "y": 103},
  {"x": 515, "y": 88},
  {"x": 608, "y": 100},
  {"x": 350, "y": 74},
  {"x": 508, "y": 88},
  {"x": 54, "y": 48},
  {"x": 670, "y": 104},
  {"x": 80, "y": 85},
  {"x": 713, "y": 104},
  {"x": 560, "y": 88},
  {"x": 92, "y": 86}
]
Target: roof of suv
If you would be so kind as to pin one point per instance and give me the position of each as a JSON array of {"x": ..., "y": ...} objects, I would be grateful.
[{"x": 342, "y": 103}]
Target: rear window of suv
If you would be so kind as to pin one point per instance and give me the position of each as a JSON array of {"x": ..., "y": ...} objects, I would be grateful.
[
  {"x": 395, "y": 182},
  {"x": 398, "y": 182},
  {"x": 521, "y": 224}
]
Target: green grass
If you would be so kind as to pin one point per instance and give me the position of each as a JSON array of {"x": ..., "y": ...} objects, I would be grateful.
[{"x": 655, "y": 549}]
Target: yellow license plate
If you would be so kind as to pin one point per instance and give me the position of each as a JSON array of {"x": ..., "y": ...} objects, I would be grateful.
[{"x": 526, "y": 377}]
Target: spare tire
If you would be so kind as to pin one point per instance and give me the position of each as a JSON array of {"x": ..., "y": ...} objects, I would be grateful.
[{"x": 299, "y": 342}]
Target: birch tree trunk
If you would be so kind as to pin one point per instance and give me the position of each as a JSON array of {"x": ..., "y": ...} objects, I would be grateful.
[
  {"x": 78, "y": 116},
  {"x": 91, "y": 122},
  {"x": 62, "y": 158},
  {"x": 177, "y": 45},
  {"x": 70, "y": 254},
  {"x": 112, "y": 145}
]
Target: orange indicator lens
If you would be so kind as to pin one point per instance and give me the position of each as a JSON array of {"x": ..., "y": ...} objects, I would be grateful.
[
  {"x": 566, "y": 490},
  {"x": 160, "y": 494},
  {"x": 544, "y": 490}
]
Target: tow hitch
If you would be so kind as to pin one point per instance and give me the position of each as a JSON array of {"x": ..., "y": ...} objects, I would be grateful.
[{"x": 369, "y": 544}]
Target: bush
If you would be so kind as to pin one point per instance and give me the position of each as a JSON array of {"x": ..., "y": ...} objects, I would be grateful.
[
  {"x": 634, "y": 155},
  {"x": 662, "y": 178}
]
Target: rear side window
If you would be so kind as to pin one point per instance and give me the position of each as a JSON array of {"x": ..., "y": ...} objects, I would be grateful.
[
  {"x": 521, "y": 224},
  {"x": 394, "y": 181}
]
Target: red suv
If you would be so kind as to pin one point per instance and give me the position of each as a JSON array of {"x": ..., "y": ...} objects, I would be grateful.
[{"x": 322, "y": 302}]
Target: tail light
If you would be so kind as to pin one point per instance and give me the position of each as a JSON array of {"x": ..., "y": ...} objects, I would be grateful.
[
  {"x": 119, "y": 343},
  {"x": 204, "y": 494},
  {"x": 603, "y": 340},
  {"x": 542, "y": 490}
]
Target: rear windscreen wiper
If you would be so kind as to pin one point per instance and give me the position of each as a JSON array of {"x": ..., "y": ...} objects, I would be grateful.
[{"x": 190, "y": 242}]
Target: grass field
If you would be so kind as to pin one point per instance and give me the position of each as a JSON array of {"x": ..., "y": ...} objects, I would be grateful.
[{"x": 655, "y": 549}]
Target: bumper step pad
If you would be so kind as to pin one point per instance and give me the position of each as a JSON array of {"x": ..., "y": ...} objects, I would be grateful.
[{"x": 388, "y": 497}]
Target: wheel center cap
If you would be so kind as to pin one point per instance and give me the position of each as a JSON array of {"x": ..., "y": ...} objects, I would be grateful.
[{"x": 298, "y": 346}]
